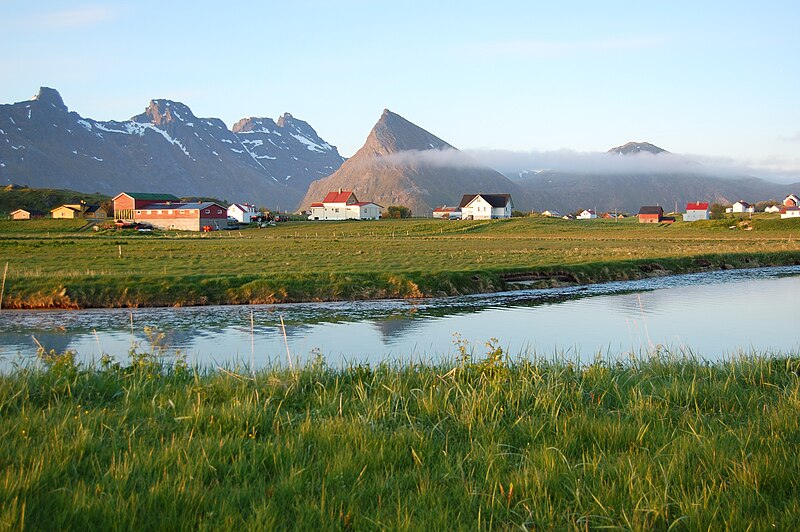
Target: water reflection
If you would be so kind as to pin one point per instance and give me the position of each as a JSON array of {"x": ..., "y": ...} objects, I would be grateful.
[{"x": 713, "y": 314}]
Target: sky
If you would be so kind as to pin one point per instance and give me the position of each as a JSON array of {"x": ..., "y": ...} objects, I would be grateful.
[{"x": 714, "y": 80}]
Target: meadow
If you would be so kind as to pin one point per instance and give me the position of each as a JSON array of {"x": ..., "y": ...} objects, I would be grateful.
[
  {"x": 57, "y": 263},
  {"x": 480, "y": 443}
]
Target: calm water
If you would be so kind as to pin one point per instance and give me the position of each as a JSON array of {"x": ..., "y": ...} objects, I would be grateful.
[{"x": 713, "y": 315}]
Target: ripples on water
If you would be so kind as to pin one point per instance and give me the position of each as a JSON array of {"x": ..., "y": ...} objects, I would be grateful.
[{"x": 584, "y": 320}]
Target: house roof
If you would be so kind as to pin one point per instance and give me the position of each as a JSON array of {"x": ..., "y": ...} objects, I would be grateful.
[
  {"x": 742, "y": 203},
  {"x": 148, "y": 196},
  {"x": 649, "y": 209},
  {"x": 317, "y": 204},
  {"x": 76, "y": 208},
  {"x": 93, "y": 208},
  {"x": 180, "y": 206},
  {"x": 244, "y": 207},
  {"x": 495, "y": 200},
  {"x": 447, "y": 209},
  {"x": 363, "y": 203},
  {"x": 29, "y": 211},
  {"x": 697, "y": 206},
  {"x": 340, "y": 196}
]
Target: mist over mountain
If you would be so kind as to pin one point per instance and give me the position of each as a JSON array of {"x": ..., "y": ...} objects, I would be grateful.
[
  {"x": 402, "y": 164},
  {"x": 164, "y": 149},
  {"x": 625, "y": 178}
]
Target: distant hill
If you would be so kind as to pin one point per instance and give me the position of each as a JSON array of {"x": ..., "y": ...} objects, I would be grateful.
[
  {"x": 402, "y": 164},
  {"x": 164, "y": 149},
  {"x": 13, "y": 197},
  {"x": 679, "y": 181}
]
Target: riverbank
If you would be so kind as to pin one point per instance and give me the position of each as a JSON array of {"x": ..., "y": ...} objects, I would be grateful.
[
  {"x": 299, "y": 262},
  {"x": 477, "y": 443}
]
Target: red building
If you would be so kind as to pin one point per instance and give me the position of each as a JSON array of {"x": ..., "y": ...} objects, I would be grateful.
[
  {"x": 126, "y": 203},
  {"x": 651, "y": 215}
]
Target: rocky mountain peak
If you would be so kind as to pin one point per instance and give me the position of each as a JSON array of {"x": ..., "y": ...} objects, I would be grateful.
[
  {"x": 47, "y": 95},
  {"x": 163, "y": 112},
  {"x": 393, "y": 133},
  {"x": 632, "y": 148},
  {"x": 253, "y": 124}
]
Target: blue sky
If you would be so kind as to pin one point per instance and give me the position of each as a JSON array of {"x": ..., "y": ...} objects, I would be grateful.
[{"x": 713, "y": 79}]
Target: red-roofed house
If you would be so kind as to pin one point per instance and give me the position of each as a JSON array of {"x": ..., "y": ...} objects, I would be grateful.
[
  {"x": 790, "y": 212},
  {"x": 343, "y": 205},
  {"x": 696, "y": 211}
]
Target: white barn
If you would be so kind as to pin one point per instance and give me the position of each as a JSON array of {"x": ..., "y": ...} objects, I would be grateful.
[
  {"x": 486, "y": 206},
  {"x": 587, "y": 214}
]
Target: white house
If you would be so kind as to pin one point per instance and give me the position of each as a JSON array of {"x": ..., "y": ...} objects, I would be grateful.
[
  {"x": 343, "y": 205},
  {"x": 741, "y": 206},
  {"x": 772, "y": 209},
  {"x": 587, "y": 214},
  {"x": 243, "y": 212},
  {"x": 696, "y": 211},
  {"x": 791, "y": 212},
  {"x": 486, "y": 206}
]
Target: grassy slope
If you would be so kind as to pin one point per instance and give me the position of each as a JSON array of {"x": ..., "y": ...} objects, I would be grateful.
[
  {"x": 476, "y": 445},
  {"x": 44, "y": 199},
  {"x": 357, "y": 260}
]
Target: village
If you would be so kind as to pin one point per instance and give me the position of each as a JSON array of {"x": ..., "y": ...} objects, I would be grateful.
[{"x": 147, "y": 211}]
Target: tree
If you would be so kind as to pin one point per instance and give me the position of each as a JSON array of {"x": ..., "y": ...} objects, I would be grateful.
[
  {"x": 398, "y": 211},
  {"x": 717, "y": 211}
]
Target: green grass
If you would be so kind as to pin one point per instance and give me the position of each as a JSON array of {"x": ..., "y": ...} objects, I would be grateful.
[
  {"x": 484, "y": 443},
  {"x": 52, "y": 265}
]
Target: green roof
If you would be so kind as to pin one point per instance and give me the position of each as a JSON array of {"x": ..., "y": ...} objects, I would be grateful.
[{"x": 151, "y": 196}]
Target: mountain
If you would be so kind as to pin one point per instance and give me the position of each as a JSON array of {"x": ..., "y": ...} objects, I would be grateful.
[
  {"x": 402, "y": 164},
  {"x": 637, "y": 147},
  {"x": 645, "y": 175},
  {"x": 164, "y": 149}
]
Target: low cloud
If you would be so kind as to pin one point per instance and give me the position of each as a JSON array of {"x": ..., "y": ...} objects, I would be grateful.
[{"x": 513, "y": 163}]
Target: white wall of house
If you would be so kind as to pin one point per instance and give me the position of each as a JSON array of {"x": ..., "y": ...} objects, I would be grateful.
[
  {"x": 587, "y": 215},
  {"x": 480, "y": 209},
  {"x": 694, "y": 215},
  {"x": 242, "y": 216},
  {"x": 742, "y": 207},
  {"x": 791, "y": 212},
  {"x": 370, "y": 211}
]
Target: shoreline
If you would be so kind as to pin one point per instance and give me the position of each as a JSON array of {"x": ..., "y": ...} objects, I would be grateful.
[{"x": 152, "y": 292}]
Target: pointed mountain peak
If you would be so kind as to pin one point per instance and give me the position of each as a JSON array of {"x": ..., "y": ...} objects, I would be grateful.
[
  {"x": 253, "y": 125},
  {"x": 282, "y": 120},
  {"x": 51, "y": 96},
  {"x": 632, "y": 148},
  {"x": 162, "y": 112},
  {"x": 393, "y": 133}
]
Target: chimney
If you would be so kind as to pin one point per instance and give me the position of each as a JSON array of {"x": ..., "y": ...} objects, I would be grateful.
[{"x": 340, "y": 191}]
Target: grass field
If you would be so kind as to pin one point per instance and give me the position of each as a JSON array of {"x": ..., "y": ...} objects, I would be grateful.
[
  {"x": 476, "y": 444},
  {"x": 51, "y": 263}
]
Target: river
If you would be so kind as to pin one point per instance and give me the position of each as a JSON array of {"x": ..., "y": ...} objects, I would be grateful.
[{"x": 714, "y": 316}]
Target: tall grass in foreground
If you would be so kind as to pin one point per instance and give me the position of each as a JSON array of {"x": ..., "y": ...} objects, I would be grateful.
[{"x": 475, "y": 444}]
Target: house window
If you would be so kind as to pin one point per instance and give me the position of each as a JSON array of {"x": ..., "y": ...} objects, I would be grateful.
[
  {"x": 149, "y": 212},
  {"x": 219, "y": 211},
  {"x": 208, "y": 211},
  {"x": 169, "y": 212},
  {"x": 138, "y": 212}
]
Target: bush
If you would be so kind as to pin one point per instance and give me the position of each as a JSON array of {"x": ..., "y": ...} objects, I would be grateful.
[{"x": 398, "y": 211}]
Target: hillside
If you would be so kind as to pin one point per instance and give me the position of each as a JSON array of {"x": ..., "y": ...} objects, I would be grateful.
[
  {"x": 15, "y": 197},
  {"x": 164, "y": 149},
  {"x": 402, "y": 164},
  {"x": 644, "y": 174}
]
